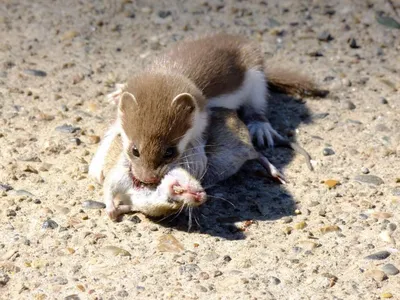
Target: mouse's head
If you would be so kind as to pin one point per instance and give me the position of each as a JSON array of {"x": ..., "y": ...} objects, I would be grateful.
[{"x": 159, "y": 115}]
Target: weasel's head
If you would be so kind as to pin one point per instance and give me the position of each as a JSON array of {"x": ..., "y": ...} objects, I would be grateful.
[{"x": 159, "y": 117}]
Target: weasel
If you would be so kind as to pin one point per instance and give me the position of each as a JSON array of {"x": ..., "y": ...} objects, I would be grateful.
[
  {"x": 164, "y": 110},
  {"x": 179, "y": 188}
]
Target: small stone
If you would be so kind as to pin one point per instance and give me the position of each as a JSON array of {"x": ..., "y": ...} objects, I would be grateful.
[
  {"x": 189, "y": 269},
  {"x": 37, "y": 201},
  {"x": 44, "y": 117},
  {"x": 49, "y": 224},
  {"x": 90, "y": 204},
  {"x": 327, "y": 229},
  {"x": 93, "y": 139},
  {"x": 378, "y": 255},
  {"x": 349, "y": 105},
  {"x": 325, "y": 36},
  {"x": 364, "y": 170},
  {"x": 5, "y": 187},
  {"x": 114, "y": 251},
  {"x": 4, "y": 278},
  {"x": 300, "y": 225},
  {"x": 287, "y": 220},
  {"x": 386, "y": 295},
  {"x": 386, "y": 237},
  {"x": 11, "y": 213},
  {"x": 123, "y": 294},
  {"x": 164, "y": 14},
  {"x": 61, "y": 280},
  {"x": 307, "y": 245},
  {"x": 392, "y": 226},
  {"x": 30, "y": 169},
  {"x": 382, "y": 215},
  {"x": 153, "y": 228},
  {"x": 67, "y": 128},
  {"x": 328, "y": 152},
  {"x": 288, "y": 230},
  {"x": 353, "y": 43},
  {"x": 77, "y": 78},
  {"x": 331, "y": 183},
  {"x": 84, "y": 169},
  {"x": 33, "y": 72},
  {"x": 369, "y": 179},
  {"x": 204, "y": 276},
  {"x": 377, "y": 275},
  {"x": 72, "y": 297},
  {"x": 217, "y": 273},
  {"x": 390, "y": 269},
  {"x": 135, "y": 219},
  {"x": 168, "y": 243},
  {"x": 69, "y": 35},
  {"x": 384, "y": 101},
  {"x": 227, "y": 258}
]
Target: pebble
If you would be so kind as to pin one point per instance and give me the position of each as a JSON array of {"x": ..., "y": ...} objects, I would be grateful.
[
  {"x": 381, "y": 215},
  {"x": 328, "y": 152},
  {"x": 93, "y": 139},
  {"x": 377, "y": 275},
  {"x": 378, "y": 255},
  {"x": 49, "y": 224},
  {"x": 396, "y": 191},
  {"x": 386, "y": 237},
  {"x": 204, "y": 276},
  {"x": 168, "y": 243},
  {"x": 327, "y": 229},
  {"x": 34, "y": 72},
  {"x": 353, "y": 43},
  {"x": 386, "y": 295},
  {"x": 114, "y": 251},
  {"x": 369, "y": 179},
  {"x": 30, "y": 169},
  {"x": 384, "y": 101},
  {"x": 390, "y": 269},
  {"x": 349, "y": 105},
  {"x": 135, "y": 219},
  {"x": 364, "y": 170},
  {"x": 227, "y": 258},
  {"x": 308, "y": 245},
  {"x": 123, "y": 294},
  {"x": 72, "y": 297},
  {"x": 300, "y": 225},
  {"x": 331, "y": 183},
  {"x": 69, "y": 35},
  {"x": 392, "y": 226},
  {"x": 5, "y": 187},
  {"x": 11, "y": 213},
  {"x": 61, "y": 280},
  {"x": 189, "y": 269},
  {"x": 4, "y": 278},
  {"x": 67, "y": 128},
  {"x": 286, "y": 220},
  {"x": 217, "y": 273},
  {"x": 90, "y": 204},
  {"x": 325, "y": 36}
]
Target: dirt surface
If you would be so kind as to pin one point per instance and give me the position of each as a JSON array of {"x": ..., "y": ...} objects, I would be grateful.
[{"x": 256, "y": 239}]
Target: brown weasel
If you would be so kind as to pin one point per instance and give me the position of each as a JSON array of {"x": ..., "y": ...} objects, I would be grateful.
[
  {"x": 228, "y": 145},
  {"x": 163, "y": 110}
]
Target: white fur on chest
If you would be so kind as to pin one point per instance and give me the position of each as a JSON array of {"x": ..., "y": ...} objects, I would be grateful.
[{"x": 252, "y": 92}]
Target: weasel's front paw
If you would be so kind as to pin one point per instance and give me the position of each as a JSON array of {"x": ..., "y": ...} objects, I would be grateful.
[{"x": 261, "y": 131}]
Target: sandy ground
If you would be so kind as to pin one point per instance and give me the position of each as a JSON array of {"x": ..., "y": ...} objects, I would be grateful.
[{"x": 299, "y": 241}]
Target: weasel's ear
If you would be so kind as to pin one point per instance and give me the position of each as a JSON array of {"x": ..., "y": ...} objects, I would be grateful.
[
  {"x": 127, "y": 103},
  {"x": 184, "y": 102}
]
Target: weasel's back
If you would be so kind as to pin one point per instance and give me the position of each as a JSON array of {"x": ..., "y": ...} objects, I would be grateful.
[{"x": 216, "y": 64}]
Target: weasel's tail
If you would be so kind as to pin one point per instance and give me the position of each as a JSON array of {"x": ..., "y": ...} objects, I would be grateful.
[{"x": 292, "y": 83}]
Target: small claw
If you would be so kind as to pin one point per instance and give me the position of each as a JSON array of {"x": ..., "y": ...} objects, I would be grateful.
[
  {"x": 271, "y": 169},
  {"x": 260, "y": 138}
]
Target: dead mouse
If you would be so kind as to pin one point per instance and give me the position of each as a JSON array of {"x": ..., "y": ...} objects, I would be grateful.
[{"x": 228, "y": 147}]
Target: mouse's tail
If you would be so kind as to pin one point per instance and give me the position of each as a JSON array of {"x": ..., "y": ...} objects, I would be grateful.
[{"x": 292, "y": 82}]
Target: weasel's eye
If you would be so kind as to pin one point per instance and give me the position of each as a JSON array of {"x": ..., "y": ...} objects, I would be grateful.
[
  {"x": 135, "y": 151},
  {"x": 170, "y": 153}
]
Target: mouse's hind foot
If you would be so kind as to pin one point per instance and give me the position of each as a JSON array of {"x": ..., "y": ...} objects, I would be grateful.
[{"x": 271, "y": 169}]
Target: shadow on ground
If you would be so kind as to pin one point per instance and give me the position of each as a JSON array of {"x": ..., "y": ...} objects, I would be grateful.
[{"x": 249, "y": 195}]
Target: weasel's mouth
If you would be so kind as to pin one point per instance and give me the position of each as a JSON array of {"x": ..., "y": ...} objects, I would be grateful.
[{"x": 140, "y": 184}]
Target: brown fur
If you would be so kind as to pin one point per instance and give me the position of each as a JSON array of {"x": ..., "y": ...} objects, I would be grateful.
[
  {"x": 216, "y": 64},
  {"x": 292, "y": 82}
]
